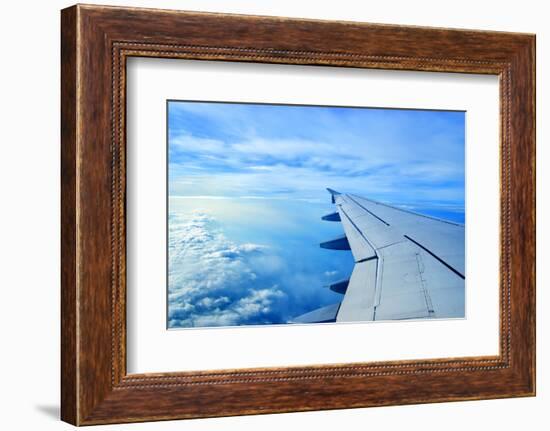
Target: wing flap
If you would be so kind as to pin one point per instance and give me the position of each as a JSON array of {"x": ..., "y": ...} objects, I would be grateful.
[
  {"x": 412, "y": 284},
  {"x": 401, "y": 293},
  {"x": 358, "y": 302},
  {"x": 325, "y": 314}
]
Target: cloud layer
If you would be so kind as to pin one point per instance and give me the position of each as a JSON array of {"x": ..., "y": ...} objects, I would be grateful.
[{"x": 215, "y": 282}]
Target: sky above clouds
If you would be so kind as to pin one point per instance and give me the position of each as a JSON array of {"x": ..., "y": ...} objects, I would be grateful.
[
  {"x": 402, "y": 156},
  {"x": 247, "y": 190}
]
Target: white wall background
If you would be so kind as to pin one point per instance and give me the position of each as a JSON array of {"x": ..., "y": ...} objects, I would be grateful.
[{"x": 29, "y": 215}]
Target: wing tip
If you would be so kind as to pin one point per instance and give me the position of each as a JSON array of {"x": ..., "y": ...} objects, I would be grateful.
[{"x": 333, "y": 193}]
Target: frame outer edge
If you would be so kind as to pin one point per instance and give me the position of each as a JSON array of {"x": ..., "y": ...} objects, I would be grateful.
[
  {"x": 532, "y": 80},
  {"x": 533, "y": 53},
  {"x": 87, "y": 396},
  {"x": 69, "y": 201},
  {"x": 527, "y": 61},
  {"x": 523, "y": 217}
]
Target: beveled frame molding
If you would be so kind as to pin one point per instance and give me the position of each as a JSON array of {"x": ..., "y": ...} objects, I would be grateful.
[{"x": 96, "y": 41}]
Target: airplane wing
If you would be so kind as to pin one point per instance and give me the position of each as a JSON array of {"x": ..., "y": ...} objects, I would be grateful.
[{"x": 407, "y": 265}]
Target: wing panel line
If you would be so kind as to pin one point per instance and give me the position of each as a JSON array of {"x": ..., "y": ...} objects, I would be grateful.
[
  {"x": 370, "y": 212},
  {"x": 435, "y": 256},
  {"x": 409, "y": 211}
]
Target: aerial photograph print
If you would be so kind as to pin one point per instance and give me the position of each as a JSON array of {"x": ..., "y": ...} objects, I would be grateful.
[{"x": 302, "y": 214}]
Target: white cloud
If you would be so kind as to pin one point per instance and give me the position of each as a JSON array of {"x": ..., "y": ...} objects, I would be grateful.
[
  {"x": 215, "y": 282},
  {"x": 257, "y": 302},
  {"x": 188, "y": 142}
]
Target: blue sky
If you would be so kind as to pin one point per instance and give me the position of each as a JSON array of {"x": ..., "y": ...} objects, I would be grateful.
[
  {"x": 247, "y": 190},
  {"x": 405, "y": 156}
]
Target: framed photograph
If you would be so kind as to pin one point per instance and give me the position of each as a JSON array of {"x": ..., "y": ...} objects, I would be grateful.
[{"x": 263, "y": 214}]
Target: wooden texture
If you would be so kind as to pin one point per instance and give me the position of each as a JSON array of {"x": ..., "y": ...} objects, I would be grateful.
[{"x": 96, "y": 41}]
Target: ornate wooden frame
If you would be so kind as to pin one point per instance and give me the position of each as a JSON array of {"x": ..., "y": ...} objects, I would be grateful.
[{"x": 95, "y": 42}]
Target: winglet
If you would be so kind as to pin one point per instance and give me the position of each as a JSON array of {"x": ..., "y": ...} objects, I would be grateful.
[{"x": 333, "y": 193}]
